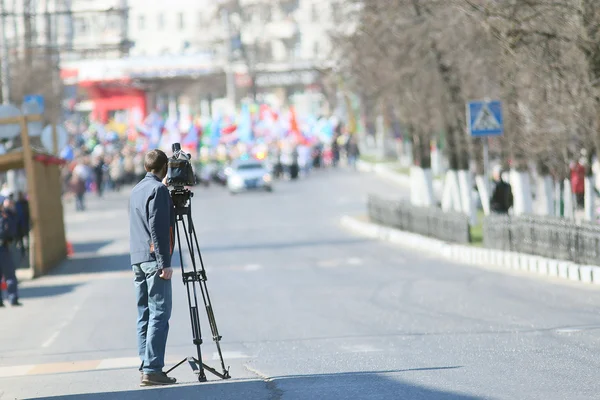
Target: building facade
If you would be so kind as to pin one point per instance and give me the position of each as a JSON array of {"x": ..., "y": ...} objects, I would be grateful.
[{"x": 207, "y": 55}]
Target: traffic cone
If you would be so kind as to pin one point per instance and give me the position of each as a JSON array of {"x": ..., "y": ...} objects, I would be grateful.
[{"x": 70, "y": 251}]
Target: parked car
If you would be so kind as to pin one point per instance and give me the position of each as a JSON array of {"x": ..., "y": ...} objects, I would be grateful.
[{"x": 248, "y": 175}]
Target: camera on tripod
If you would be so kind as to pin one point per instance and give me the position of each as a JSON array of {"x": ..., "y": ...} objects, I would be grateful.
[
  {"x": 179, "y": 175},
  {"x": 180, "y": 172}
]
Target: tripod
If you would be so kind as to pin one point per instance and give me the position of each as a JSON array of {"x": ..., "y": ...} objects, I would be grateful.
[{"x": 183, "y": 212}]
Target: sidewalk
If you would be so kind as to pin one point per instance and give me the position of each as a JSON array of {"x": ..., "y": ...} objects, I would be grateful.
[
  {"x": 470, "y": 255},
  {"x": 104, "y": 238}
]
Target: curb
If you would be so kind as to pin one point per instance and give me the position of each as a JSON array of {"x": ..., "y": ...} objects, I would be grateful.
[{"x": 564, "y": 270}]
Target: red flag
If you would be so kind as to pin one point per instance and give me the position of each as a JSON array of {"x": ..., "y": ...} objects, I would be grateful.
[{"x": 294, "y": 128}]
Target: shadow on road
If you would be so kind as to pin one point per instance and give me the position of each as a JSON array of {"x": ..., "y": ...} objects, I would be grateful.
[
  {"x": 285, "y": 245},
  {"x": 29, "y": 292},
  {"x": 90, "y": 247},
  {"x": 342, "y": 386},
  {"x": 93, "y": 264}
]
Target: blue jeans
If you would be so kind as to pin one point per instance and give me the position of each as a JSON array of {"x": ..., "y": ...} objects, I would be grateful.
[
  {"x": 154, "y": 301},
  {"x": 7, "y": 270}
]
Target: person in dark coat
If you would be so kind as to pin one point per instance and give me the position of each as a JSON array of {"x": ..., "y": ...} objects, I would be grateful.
[
  {"x": 502, "y": 197},
  {"x": 8, "y": 234},
  {"x": 23, "y": 219},
  {"x": 78, "y": 189}
]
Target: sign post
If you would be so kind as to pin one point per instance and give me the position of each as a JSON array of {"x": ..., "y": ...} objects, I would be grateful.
[{"x": 484, "y": 119}]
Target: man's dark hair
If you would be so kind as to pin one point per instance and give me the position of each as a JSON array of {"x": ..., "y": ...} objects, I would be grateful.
[{"x": 155, "y": 161}]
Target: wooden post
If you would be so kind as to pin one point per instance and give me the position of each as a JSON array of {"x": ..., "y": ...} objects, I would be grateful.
[{"x": 34, "y": 203}]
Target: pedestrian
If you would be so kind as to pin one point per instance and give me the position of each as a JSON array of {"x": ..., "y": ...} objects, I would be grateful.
[
  {"x": 502, "y": 197},
  {"x": 152, "y": 221},
  {"x": 117, "y": 172},
  {"x": 8, "y": 233},
  {"x": 22, "y": 209},
  {"x": 78, "y": 189},
  {"x": 99, "y": 175},
  {"x": 352, "y": 151},
  {"x": 578, "y": 182},
  {"x": 304, "y": 159}
]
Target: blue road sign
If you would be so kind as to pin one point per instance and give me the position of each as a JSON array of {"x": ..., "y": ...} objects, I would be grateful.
[
  {"x": 484, "y": 118},
  {"x": 37, "y": 99}
]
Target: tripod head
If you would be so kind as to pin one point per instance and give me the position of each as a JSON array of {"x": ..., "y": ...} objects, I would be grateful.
[{"x": 181, "y": 198}]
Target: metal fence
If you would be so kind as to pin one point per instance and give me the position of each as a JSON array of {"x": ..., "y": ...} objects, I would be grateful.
[
  {"x": 426, "y": 221},
  {"x": 550, "y": 237}
]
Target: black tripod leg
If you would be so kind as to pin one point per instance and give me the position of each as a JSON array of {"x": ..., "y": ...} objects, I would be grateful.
[
  {"x": 183, "y": 212},
  {"x": 206, "y": 297},
  {"x": 194, "y": 310},
  {"x": 193, "y": 306}
]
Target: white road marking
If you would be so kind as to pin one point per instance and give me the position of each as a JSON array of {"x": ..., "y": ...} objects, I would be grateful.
[
  {"x": 51, "y": 339},
  {"x": 115, "y": 363},
  {"x": 20, "y": 370},
  {"x": 354, "y": 261},
  {"x": 252, "y": 267},
  {"x": 230, "y": 355},
  {"x": 360, "y": 348},
  {"x": 66, "y": 322}
]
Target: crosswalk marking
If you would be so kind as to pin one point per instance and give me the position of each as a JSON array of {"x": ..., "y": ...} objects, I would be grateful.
[
  {"x": 116, "y": 363},
  {"x": 20, "y": 370},
  {"x": 360, "y": 348},
  {"x": 95, "y": 365}
]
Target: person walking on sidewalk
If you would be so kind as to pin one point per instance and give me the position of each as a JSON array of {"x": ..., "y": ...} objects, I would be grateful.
[
  {"x": 8, "y": 233},
  {"x": 502, "y": 197},
  {"x": 152, "y": 219}
]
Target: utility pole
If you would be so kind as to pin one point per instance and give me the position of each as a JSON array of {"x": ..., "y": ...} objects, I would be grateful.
[
  {"x": 229, "y": 73},
  {"x": 5, "y": 71}
]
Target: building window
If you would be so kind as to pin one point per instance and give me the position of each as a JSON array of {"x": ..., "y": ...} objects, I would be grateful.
[
  {"x": 266, "y": 13},
  {"x": 81, "y": 26},
  {"x": 181, "y": 21},
  {"x": 314, "y": 13},
  {"x": 141, "y": 22},
  {"x": 161, "y": 21},
  {"x": 336, "y": 13}
]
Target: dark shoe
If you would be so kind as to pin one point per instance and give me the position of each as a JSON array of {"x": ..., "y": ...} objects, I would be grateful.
[
  {"x": 157, "y": 379},
  {"x": 15, "y": 303},
  {"x": 1, "y": 304}
]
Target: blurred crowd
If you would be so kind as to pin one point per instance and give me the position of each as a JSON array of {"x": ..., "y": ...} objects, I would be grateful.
[{"x": 100, "y": 161}]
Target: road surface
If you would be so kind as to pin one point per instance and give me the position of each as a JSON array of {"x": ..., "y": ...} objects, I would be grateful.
[{"x": 307, "y": 311}]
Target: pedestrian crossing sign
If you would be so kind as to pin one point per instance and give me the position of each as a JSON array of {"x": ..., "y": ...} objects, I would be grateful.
[{"x": 484, "y": 118}]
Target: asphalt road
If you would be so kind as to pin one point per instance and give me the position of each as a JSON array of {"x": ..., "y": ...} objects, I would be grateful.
[{"x": 307, "y": 311}]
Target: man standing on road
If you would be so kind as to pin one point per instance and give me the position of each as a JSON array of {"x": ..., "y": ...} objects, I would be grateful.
[
  {"x": 152, "y": 221},
  {"x": 8, "y": 233}
]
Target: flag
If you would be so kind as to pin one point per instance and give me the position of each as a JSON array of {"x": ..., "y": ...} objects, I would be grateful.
[
  {"x": 190, "y": 142},
  {"x": 294, "y": 127},
  {"x": 215, "y": 131},
  {"x": 244, "y": 128}
]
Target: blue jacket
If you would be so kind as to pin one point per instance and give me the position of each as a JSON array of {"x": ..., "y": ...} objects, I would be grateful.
[
  {"x": 151, "y": 222},
  {"x": 8, "y": 225}
]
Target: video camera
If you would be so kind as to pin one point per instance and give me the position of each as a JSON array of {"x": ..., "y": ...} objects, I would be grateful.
[{"x": 179, "y": 171}]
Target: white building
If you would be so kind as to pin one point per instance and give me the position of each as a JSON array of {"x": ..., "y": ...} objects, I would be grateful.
[
  {"x": 198, "y": 54},
  {"x": 280, "y": 31},
  {"x": 71, "y": 29}
]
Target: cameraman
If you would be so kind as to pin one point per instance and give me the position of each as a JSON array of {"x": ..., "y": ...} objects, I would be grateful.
[
  {"x": 152, "y": 221},
  {"x": 8, "y": 234}
]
